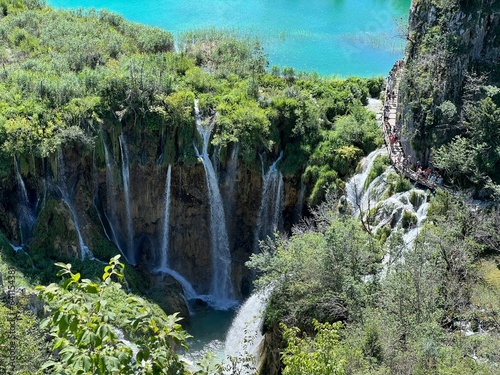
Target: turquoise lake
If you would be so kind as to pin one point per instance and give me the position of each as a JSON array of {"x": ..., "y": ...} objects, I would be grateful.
[{"x": 330, "y": 37}]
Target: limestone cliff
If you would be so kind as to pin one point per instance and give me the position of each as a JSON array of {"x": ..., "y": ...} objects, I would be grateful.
[
  {"x": 90, "y": 182},
  {"x": 451, "y": 46}
]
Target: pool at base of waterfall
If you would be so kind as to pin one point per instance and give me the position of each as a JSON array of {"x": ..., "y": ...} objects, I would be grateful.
[{"x": 209, "y": 328}]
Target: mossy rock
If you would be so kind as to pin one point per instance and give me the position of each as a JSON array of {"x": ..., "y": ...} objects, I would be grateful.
[
  {"x": 409, "y": 219},
  {"x": 55, "y": 231},
  {"x": 416, "y": 199},
  {"x": 166, "y": 292},
  {"x": 380, "y": 164},
  {"x": 101, "y": 247}
]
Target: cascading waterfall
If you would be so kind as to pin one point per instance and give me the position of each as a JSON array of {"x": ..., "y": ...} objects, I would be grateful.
[
  {"x": 166, "y": 224},
  {"x": 110, "y": 196},
  {"x": 126, "y": 191},
  {"x": 110, "y": 183},
  {"x": 388, "y": 211},
  {"x": 355, "y": 186},
  {"x": 85, "y": 252},
  {"x": 412, "y": 234},
  {"x": 26, "y": 212},
  {"x": 189, "y": 292},
  {"x": 111, "y": 218},
  {"x": 120, "y": 335},
  {"x": 271, "y": 204},
  {"x": 221, "y": 288},
  {"x": 216, "y": 160},
  {"x": 232, "y": 169},
  {"x": 244, "y": 336}
]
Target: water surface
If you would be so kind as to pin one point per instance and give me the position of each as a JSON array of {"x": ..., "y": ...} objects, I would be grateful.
[{"x": 342, "y": 37}]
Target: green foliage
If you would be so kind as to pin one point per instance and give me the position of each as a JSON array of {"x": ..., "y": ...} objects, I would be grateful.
[
  {"x": 150, "y": 39},
  {"x": 383, "y": 233},
  {"x": 319, "y": 274},
  {"x": 82, "y": 325},
  {"x": 322, "y": 355},
  {"x": 339, "y": 151},
  {"x": 225, "y": 53},
  {"x": 409, "y": 219},
  {"x": 359, "y": 129},
  {"x": 441, "y": 203},
  {"x": 31, "y": 349},
  {"x": 450, "y": 110},
  {"x": 380, "y": 164},
  {"x": 397, "y": 184},
  {"x": 416, "y": 199},
  {"x": 375, "y": 86},
  {"x": 457, "y": 159},
  {"x": 411, "y": 317},
  {"x": 86, "y": 70},
  {"x": 241, "y": 119}
]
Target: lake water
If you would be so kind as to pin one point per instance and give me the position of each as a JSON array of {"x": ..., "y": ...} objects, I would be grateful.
[{"x": 331, "y": 37}]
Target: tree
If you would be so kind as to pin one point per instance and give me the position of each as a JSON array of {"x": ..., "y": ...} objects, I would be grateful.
[
  {"x": 321, "y": 355},
  {"x": 85, "y": 339}
]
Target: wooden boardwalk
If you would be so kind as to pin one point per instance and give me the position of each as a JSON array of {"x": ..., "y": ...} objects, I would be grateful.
[{"x": 392, "y": 130}]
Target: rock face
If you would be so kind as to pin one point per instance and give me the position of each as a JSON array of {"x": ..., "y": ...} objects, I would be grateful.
[
  {"x": 450, "y": 45},
  {"x": 93, "y": 184}
]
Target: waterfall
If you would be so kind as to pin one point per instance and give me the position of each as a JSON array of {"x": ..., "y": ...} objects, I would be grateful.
[
  {"x": 355, "y": 186},
  {"x": 110, "y": 183},
  {"x": 110, "y": 195},
  {"x": 166, "y": 224},
  {"x": 244, "y": 336},
  {"x": 271, "y": 204},
  {"x": 120, "y": 335},
  {"x": 221, "y": 288},
  {"x": 26, "y": 214},
  {"x": 232, "y": 169},
  {"x": 216, "y": 160},
  {"x": 387, "y": 211},
  {"x": 126, "y": 190},
  {"x": 84, "y": 250},
  {"x": 189, "y": 292},
  {"x": 67, "y": 199},
  {"x": 111, "y": 202},
  {"x": 412, "y": 234}
]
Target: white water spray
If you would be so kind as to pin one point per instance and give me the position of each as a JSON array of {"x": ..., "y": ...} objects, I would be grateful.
[
  {"x": 126, "y": 191},
  {"x": 389, "y": 211},
  {"x": 111, "y": 197},
  {"x": 245, "y": 334},
  {"x": 26, "y": 214},
  {"x": 189, "y": 292},
  {"x": 271, "y": 204},
  {"x": 221, "y": 288},
  {"x": 355, "y": 187},
  {"x": 166, "y": 223},
  {"x": 65, "y": 195}
]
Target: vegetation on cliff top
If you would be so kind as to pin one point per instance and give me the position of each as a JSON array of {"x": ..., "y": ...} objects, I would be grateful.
[{"x": 66, "y": 76}]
